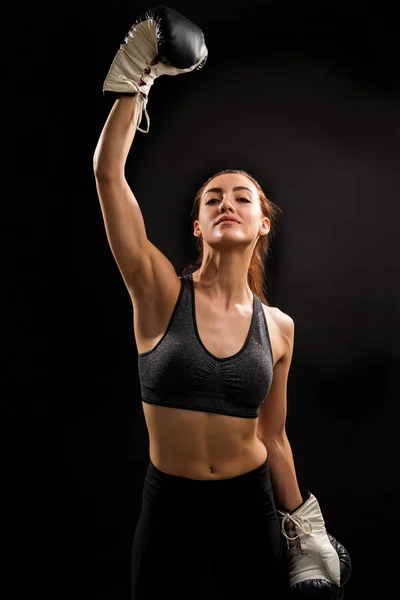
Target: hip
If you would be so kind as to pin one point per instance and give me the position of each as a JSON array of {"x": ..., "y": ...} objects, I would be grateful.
[{"x": 243, "y": 501}]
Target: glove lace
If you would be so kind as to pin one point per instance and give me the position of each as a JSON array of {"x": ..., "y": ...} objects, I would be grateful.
[
  {"x": 295, "y": 523},
  {"x": 139, "y": 95}
]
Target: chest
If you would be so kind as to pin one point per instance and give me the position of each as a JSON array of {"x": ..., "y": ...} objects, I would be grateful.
[{"x": 223, "y": 334}]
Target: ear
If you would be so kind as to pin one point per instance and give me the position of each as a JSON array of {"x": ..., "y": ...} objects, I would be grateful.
[
  {"x": 265, "y": 226},
  {"x": 196, "y": 227}
]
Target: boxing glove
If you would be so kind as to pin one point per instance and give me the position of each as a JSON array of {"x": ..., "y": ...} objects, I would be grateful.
[
  {"x": 160, "y": 42},
  {"x": 318, "y": 565}
]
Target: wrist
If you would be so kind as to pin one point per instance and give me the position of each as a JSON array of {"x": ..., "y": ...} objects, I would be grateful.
[{"x": 305, "y": 496}]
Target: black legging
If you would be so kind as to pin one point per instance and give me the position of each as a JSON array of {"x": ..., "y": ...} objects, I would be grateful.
[{"x": 201, "y": 539}]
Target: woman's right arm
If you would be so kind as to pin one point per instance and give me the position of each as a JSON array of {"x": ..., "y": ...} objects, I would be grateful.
[
  {"x": 123, "y": 220},
  {"x": 147, "y": 272},
  {"x": 136, "y": 66}
]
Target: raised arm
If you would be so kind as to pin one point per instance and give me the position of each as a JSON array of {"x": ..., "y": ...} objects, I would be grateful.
[
  {"x": 123, "y": 220},
  {"x": 160, "y": 42}
]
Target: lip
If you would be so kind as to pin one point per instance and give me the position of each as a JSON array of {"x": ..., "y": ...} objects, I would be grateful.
[{"x": 225, "y": 220}]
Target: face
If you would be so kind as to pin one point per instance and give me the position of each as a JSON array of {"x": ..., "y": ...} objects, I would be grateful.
[{"x": 234, "y": 196}]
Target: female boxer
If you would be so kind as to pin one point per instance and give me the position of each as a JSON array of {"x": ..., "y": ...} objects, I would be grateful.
[{"x": 213, "y": 363}]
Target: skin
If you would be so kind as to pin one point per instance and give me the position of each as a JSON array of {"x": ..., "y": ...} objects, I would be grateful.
[
  {"x": 192, "y": 443},
  {"x": 203, "y": 445},
  {"x": 228, "y": 248},
  {"x": 216, "y": 445}
]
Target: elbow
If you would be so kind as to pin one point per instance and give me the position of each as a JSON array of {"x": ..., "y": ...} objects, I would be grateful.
[
  {"x": 272, "y": 440},
  {"x": 103, "y": 172},
  {"x": 102, "y": 168},
  {"x": 97, "y": 160},
  {"x": 98, "y": 168}
]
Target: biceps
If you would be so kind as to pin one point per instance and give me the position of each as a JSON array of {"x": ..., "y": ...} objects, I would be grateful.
[{"x": 273, "y": 411}]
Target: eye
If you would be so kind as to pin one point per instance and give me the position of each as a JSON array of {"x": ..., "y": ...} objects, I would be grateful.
[{"x": 215, "y": 200}]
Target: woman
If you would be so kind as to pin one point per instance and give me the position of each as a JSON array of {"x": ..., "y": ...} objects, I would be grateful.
[
  {"x": 209, "y": 480},
  {"x": 213, "y": 363}
]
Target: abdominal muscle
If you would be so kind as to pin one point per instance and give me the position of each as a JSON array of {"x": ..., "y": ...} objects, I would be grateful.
[{"x": 201, "y": 445}]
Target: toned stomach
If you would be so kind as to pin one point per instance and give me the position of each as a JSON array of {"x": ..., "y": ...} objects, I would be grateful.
[{"x": 200, "y": 445}]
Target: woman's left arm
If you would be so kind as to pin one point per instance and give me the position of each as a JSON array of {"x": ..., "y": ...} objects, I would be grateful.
[
  {"x": 318, "y": 564},
  {"x": 271, "y": 428}
]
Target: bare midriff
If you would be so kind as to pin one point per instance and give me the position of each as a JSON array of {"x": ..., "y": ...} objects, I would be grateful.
[{"x": 202, "y": 445}]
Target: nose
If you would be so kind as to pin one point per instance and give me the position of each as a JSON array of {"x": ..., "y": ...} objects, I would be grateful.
[{"x": 225, "y": 204}]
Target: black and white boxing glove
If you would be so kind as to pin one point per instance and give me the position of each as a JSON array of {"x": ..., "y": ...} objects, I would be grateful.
[
  {"x": 160, "y": 42},
  {"x": 318, "y": 565}
]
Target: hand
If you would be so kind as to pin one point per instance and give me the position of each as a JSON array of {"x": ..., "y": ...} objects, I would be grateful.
[
  {"x": 319, "y": 566},
  {"x": 160, "y": 42}
]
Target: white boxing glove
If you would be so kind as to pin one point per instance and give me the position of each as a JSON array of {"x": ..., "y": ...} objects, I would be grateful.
[
  {"x": 160, "y": 42},
  {"x": 316, "y": 561}
]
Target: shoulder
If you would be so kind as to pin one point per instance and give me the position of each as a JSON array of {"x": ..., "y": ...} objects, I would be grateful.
[
  {"x": 283, "y": 321},
  {"x": 286, "y": 323},
  {"x": 282, "y": 329}
]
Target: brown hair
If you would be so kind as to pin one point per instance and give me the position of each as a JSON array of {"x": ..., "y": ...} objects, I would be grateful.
[{"x": 256, "y": 272}]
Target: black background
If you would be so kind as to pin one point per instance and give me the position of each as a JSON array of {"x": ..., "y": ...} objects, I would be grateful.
[{"x": 303, "y": 96}]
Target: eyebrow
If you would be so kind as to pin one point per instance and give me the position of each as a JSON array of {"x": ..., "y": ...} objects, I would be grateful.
[{"x": 235, "y": 189}]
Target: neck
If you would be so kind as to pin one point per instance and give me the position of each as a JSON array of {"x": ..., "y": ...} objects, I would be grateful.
[{"x": 226, "y": 285}]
